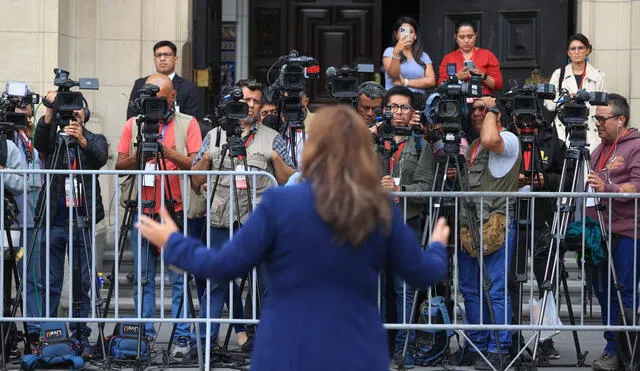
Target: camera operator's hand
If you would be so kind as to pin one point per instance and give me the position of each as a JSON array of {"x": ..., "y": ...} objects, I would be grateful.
[
  {"x": 488, "y": 101},
  {"x": 48, "y": 101},
  {"x": 594, "y": 180},
  {"x": 441, "y": 231},
  {"x": 76, "y": 130},
  {"x": 415, "y": 119},
  {"x": 374, "y": 128},
  {"x": 169, "y": 152},
  {"x": 464, "y": 74},
  {"x": 389, "y": 184},
  {"x": 156, "y": 233}
]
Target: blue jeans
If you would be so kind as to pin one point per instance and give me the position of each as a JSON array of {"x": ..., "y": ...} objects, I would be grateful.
[
  {"x": 623, "y": 261},
  {"x": 59, "y": 240},
  {"x": 149, "y": 263},
  {"x": 469, "y": 280},
  {"x": 219, "y": 292},
  {"x": 35, "y": 307}
]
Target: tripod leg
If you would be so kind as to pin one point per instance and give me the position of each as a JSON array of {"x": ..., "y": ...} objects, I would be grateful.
[{"x": 580, "y": 356}]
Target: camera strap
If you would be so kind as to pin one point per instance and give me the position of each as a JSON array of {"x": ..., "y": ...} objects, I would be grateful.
[
  {"x": 562, "y": 78},
  {"x": 395, "y": 158}
]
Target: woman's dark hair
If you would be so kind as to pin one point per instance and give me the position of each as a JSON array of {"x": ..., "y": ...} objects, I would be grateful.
[
  {"x": 345, "y": 175},
  {"x": 465, "y": 23},
  {"x": 582, "y": 39},
  {"x": 417, "y": 43}
]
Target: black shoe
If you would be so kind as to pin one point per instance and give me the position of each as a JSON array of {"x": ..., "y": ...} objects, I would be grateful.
[
  {"x": 247, "y": 347},
  {"x": 34, "y": 342},
  {"x": 494, "y": 359},
  {"x": 549, "y": 350},
  {"x": 463, "y": 357}
]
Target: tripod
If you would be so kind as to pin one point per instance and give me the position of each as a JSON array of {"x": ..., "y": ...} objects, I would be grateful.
[
  {"x": 532, "y": 168},
  {"x": 294, "y": 129},
  {"x": 235, "y": 148},
  {"x": 576, "y": 158},
  {"x": 148, "y": 148},
  {"x": 66, "y": 150}
]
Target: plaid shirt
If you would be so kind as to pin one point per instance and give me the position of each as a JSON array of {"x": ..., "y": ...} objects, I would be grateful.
[{"x": 279, "y": 145}]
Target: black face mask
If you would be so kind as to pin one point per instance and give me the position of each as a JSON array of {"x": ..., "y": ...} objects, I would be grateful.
[{"x": 272, "y": 122}]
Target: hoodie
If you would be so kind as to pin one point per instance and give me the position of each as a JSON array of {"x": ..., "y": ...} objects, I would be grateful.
[{"x": 621, "y": 174}]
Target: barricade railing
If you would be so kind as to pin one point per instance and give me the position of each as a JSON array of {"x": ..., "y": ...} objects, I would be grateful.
[{"x": 429, "y": 200}]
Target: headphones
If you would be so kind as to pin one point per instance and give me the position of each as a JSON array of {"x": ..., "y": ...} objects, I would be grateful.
[{"x": 85, "y": 110}]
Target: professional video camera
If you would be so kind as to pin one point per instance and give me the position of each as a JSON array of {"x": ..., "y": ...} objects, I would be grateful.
[
  {"x": 343, "y": 82},
  {"x": 574, "y": 113},
  {"x": 448, "y": 106},
  {"x": 150, "y": 110},
  {"x": 16, "y": 95},
  {"x": 525, "y": 104},
  {"x": 230, "y": 111},
  {"x": 68, "y": 101},
  {"x": 389, "y": 130}
]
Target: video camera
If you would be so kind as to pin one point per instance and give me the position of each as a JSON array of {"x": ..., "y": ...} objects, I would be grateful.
[
  {"x": 295, "y": 70},
  {"x": 343, "y": 82},
  {"x": 230, "y": 111},
  {"x": 16, "y": 95},
  {"x": 574, "y": 113},
  {"x": 150, "y": 111},
  {"x": 525, "y": 104},
  {"x": 68, "y": 101}
]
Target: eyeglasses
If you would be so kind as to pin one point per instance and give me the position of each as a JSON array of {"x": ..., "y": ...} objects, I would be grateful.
[
  {"x": 164, "y": 54},
  {"x": 479, "y": 108},
  {"x": 603, "y": 119},
  {"x": 403, "y": 109},
  {"x": 577, "y": 48}
]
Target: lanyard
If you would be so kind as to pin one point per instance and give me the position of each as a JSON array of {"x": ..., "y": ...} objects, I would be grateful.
[
  {"x": 247, "y": 142},
  {"x": 394, "y": 160},
  {"x": 603, "y": 161},
  {"x": 28, "y": 146},
  {"x": 473, "y": 154},
  {"x": 584, "y": 74}
]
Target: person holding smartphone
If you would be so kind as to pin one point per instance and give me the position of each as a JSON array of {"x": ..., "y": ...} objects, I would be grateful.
[
  {"x": 406, "y": 64},
  {"x": 472, "y": 61}
]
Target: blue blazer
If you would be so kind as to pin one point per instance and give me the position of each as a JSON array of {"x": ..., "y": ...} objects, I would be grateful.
[{"x": 321, "y": 312}]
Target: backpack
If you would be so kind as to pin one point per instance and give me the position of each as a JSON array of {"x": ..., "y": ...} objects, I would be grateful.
[
  {"x": 431, "y": 345},
  {"x": 123, "y": 344},
  {"x": 56, "y": 348}
]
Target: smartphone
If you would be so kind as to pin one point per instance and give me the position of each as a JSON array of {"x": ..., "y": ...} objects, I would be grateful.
[
  {"x": 405, "y": 33},
  {"x": 469, "y": 65}
]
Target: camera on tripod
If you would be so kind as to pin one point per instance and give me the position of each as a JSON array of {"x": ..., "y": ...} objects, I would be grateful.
[
  {"x": 150, "y": 110},
  {"x": 16, "y": 95},
  {"x": 67, "y": 101},
  {"x": 343, "y": 82},
  {"x": 295, "y": 70},
  {"x": 574, "y": 110},
  {"x": 230, "y": 111},
  {"x": 525, "y": 104}
]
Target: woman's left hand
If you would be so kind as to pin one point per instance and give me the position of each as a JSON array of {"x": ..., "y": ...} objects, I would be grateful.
[
  {"x": 157, "y": 233},
  {"x": 478, "y": 71}
]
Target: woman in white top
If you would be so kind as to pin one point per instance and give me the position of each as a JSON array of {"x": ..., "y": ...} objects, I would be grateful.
[{"x": 578, "y": 74}]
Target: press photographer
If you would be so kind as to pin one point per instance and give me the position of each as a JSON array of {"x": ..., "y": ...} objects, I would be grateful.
[
  {"x": 409, "y": 168},
  {"x": 370, "y": 97},
  {"x": 64, "y": 142},
  {"x": 180, "y": 139}
]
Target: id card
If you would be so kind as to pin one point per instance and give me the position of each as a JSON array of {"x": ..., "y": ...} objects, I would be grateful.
[
  {"x": 590, "y": 202},
  {"x": 149, "y": 180},
  {"x": 77, "y": 194},
  {"x": 241, "y": 180}
]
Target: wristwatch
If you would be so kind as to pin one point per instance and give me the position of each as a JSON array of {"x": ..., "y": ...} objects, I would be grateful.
[
  {"x": 484, "y": 77},
  {"x": 493, "y": 109}
]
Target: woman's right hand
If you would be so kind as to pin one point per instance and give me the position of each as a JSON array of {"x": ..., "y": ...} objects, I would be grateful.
[
  {"x": 401, "y": 45},
  {"x": 441, "y": 232},
  {"x": 464, "y": 74}
]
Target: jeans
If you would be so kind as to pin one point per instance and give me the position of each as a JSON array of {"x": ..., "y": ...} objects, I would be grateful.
[
  {"x": 496, "y": 267},
  {"x": 623, "y": 261},
  {"x": 149, "y": 262},
  {"x": 59, "y": 240},
  {"x": 34, "y": 304},
  {"x": 219, "y": 292}
]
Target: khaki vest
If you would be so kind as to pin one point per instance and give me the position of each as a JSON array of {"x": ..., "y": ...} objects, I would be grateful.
[
  {"x": 259, "y": 153},
  {"x": 481, "y": 180},
  {"x": 180, "y": 127}
]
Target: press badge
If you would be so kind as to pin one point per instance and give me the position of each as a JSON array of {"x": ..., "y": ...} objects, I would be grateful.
[
  {"x": 76, "y": 194},
  {"x": 149, "y": 180},
  {"x": 241, "y": 180}
]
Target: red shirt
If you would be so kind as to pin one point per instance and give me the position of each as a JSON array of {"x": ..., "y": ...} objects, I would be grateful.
[
  {"x": 482, "y": 58},
  {"x": 193, "y": 144}
]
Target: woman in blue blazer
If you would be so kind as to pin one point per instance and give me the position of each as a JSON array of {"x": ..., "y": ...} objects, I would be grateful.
[{"x": 323, "y": 242}]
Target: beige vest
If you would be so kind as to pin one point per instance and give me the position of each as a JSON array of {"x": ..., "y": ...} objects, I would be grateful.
[
  {"x": 259, "y": 154},
  {"x": 481, "y": 180}
]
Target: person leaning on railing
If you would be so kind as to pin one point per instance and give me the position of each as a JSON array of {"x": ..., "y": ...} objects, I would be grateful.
[{"x": 324, "y": 243}]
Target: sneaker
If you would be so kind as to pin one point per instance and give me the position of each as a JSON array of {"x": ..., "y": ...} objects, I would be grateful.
[
  {"x": 494, "y": 359},
  {"x": 403, "y": 364},
  {"x": 549, "y": 350},
  {"x": 86, "y": 350},
  {"x": 247, "y": 347},
  {"x": 34, "y": 342},
  {"x": 181, "y": 347},
  {"x": 606, "y": 362},
  {"x": 463, "y": 357}
]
